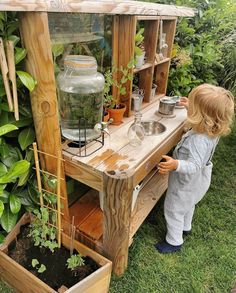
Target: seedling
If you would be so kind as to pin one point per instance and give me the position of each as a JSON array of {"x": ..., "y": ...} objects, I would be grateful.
[
  {"x": 76, "y": 260},
  {"x": 35, "y": 264}
]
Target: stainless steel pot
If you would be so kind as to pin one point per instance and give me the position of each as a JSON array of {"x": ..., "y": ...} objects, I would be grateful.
[{"x": 167, "y": 106}]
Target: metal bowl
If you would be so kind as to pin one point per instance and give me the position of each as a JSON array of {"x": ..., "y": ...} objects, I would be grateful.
[{"x": 153, "y": 127}]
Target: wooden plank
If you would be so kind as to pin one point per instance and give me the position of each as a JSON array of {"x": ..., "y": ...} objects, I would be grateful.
[
  {"x": 93, "y": 225},
  {"x": 161, "y": 77},
  {"x": 145, "y": 66},
  {"x": 125, "y": 50},
  {"x": 147, "y": 199},
  {"x": 84, "y": 174},
  {"x": 19, "y": 278},
  {"x": 101, "y": 6},
  {"x": 129, "y": 158},
  {"x": 118, "y": 193},
  {"x": 169, "y": 27},
  {"x": 84, "y": 207},
  {"x": 150, "y": 162},
  {"x": 39, "y": 63}
]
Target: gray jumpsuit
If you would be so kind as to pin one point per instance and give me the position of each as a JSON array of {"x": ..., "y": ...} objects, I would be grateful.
[{"x": 188, "y": 183}]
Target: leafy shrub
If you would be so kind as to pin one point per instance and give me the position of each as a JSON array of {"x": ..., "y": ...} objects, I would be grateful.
[{"x": 16, "y": 181}]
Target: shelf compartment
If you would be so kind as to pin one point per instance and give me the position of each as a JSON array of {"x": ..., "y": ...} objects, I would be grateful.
[
  {"x": 145, "y": 66},
  {"x": 162, "y": 61}
]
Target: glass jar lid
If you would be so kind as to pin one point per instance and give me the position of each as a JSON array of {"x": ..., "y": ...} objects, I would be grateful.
[{"x": 80, "y": 62}]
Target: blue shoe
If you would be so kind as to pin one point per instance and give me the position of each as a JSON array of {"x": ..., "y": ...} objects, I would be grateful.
[
  {"x": 165, "y": 247},
  {"x": 186, "y": 233}
]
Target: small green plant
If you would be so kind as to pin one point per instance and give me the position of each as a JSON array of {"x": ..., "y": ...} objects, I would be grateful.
[
  {"x": 139, "y": 44},
  {"x": 41, "y": 268},
  {"x": 125, "y": 74},
  {"x": 76, "y": 260},
  {"x": 42, "y": 234}
]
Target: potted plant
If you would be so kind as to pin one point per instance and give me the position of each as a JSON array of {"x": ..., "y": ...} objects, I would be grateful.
[
  {"x": 111, "y": 103},
  {"x": 139, "y": 49},
  {"x": 81, "y": 271}
]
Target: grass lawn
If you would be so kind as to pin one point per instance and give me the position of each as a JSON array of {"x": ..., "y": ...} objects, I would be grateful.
[{"x": 207, "y": 262}]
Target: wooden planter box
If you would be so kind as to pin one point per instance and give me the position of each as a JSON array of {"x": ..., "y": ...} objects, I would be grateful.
[{"x": 24, "y": 281}]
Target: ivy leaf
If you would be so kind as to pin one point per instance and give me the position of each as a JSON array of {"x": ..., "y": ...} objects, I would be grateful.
[
  {"x": 15, "y": 171},
  {"x": 26, "y": 138},
  {"x": 27, "y": 80},
  {"x": 15, "y": 203},
  {"x": 1, "y": 208},
  {"x": 8, "y": 220},
  {"x": 7, "y": 128}
]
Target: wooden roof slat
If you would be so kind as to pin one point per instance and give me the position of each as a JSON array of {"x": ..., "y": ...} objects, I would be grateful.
[{"x": 96, "y": 6}]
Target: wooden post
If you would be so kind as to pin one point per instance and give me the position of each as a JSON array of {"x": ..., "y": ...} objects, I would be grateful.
[
  {"x": 117, "y": 215},
  {"x": 36, "y": 39},
  {"x": 123, "y": 52}
]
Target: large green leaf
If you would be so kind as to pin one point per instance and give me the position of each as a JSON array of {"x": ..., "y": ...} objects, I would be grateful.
[
  {"x": 57, "y": 49},
  {"x": 7, "y": 128},
  {"x": 12, "y": 158},
  {"x": 4, "y": 197},
  {"x": 24, "y": 197},
  {"x": 3, "y": 169},
  {"x": 14, "y": 38},
  {"x": 2, "y": 237},
  {"x": 8, "y": 219},
  {"x": 26, "y": 138},
  {"x": 1, "y": 208},
  {"x": 4, "y": 149},
  {"x": 4, "y": 118},
  {"x": 23, "y": 178},
  {"x": 15, "y": 171},
  {"x": 15, "y": 203},
  {"x": 19, "y": 54},
  {"x": 27, "y": 80}
]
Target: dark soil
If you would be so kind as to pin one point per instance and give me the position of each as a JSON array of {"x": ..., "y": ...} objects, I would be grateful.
[{"x": 56, "y": 274}]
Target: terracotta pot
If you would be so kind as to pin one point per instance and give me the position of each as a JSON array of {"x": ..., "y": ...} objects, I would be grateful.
[
  {"x": 106, "y": 116},
  {"x": 117, "y": 114}
]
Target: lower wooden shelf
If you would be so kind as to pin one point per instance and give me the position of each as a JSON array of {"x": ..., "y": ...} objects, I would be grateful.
[{"x": 88, "y": 217}]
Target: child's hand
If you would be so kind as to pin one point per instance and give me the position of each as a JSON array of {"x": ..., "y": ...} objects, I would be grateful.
[
  {"x": 183, "y": 101},
  {"x": 169, "y": 165}
]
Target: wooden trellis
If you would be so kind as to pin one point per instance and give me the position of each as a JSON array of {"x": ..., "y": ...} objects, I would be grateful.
[{"x": 42, "y": 190}]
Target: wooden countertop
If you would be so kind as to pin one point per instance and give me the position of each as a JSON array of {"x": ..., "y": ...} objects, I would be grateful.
[{"x": 117, "y": 157}]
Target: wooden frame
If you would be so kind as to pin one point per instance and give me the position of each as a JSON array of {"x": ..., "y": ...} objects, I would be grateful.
[
  {"x": 107, "y": 170},
  {"x": 13, "y": 273}
]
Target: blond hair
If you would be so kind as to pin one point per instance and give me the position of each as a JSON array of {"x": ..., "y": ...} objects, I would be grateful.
[{"x": 211, "y": 110}]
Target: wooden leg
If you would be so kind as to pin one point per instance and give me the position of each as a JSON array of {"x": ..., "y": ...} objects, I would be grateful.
[{"x": 117, "y": 215}]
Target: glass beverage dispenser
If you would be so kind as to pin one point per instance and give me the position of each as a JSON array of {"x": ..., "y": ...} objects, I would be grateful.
[{"x": 80, "y": 89}]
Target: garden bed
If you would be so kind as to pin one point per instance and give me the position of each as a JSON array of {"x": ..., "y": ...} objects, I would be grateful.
[{"x": 57, "y": 278}]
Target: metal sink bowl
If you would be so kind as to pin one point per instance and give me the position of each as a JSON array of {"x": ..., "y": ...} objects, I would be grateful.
[{"x": 153, "y": 127}]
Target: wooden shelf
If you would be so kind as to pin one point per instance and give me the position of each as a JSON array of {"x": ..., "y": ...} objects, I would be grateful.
[
  {"x": 146, "y": 200},
  {"x": 145, "y": 66},
  {"x": 162, "y": 61}
]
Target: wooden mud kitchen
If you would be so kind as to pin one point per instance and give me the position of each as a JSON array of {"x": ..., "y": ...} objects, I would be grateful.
[{"x": 117, "y": 169}]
